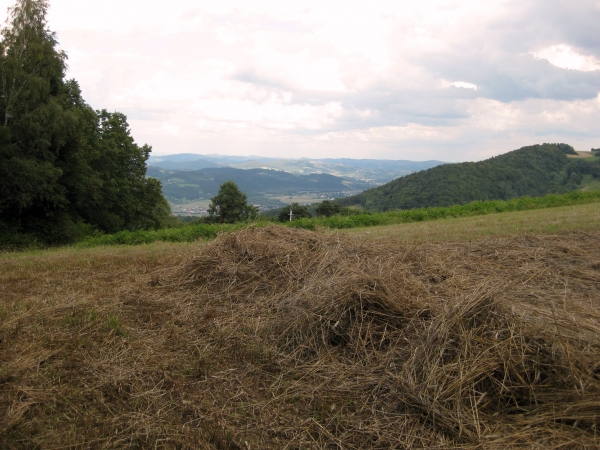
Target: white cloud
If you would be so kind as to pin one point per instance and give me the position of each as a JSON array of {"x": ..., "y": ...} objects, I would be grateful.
[
  {"x": 444, "y": 79},
  {"x": 464, "y": 85},
  {"x": 565, "y": 57}
]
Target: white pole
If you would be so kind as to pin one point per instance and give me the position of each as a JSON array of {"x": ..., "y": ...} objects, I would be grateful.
[{"x": 291, "y": 215}]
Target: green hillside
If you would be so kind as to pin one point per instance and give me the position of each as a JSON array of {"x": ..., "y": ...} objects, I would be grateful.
[{"x": 530, "y": 171}]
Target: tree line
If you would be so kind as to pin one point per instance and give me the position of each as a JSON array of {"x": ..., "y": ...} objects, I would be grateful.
[{"x": 65, "y": 168}]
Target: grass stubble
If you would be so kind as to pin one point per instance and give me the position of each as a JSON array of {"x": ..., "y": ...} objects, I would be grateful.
[{"x": 283, "y": 338}]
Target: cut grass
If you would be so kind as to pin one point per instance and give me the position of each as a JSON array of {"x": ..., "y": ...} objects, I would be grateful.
[
  {"x": 468, "y": 333},
  {"x": 542, "y": 221},
  {"x": 483, "y": 208}
]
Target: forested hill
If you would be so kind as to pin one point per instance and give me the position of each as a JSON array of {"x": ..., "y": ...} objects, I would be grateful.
[{"x": 530, "y": 171}]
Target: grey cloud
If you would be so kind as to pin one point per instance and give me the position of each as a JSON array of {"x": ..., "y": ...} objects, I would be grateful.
[
  {"x": 492, "y": 53},
  {"x": 397, "y": 108},
  {"x": 391, "y": 107},
  {"x": 510, "y": 77},
  {"x": 250, "y": 75},
  {"x": 535, "y": 24},
  {"x": 575, "y": 23},
  {"x": 496, "y": 56}
]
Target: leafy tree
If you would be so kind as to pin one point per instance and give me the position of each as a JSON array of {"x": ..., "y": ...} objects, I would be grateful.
[
  {"x": 298, "y": 211},
  {"x": 327, "y": 208},
  {"x": 64, "y": 167},
  {"x": 230, "y": 205},
  {"x": 565, "y": 148},
  {"x": 121, "y": 197},
  {"x": 32, "y": 120}
]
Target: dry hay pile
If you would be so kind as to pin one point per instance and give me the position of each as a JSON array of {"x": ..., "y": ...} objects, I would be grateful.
[
  {"x": 492, "y": 344},
  {"x": 272, "y": 338}
]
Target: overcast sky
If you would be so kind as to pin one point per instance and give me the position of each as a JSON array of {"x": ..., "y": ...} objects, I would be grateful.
[{"x": 454, "y": 80}]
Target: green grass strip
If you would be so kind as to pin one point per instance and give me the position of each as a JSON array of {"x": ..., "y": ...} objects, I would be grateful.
[
  {"x": 190, "y": 233},
  {"x": 479, "y": 208}
]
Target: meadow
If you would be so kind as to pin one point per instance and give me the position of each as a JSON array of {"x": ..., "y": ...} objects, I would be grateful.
[{"x": 468, "y": 332}]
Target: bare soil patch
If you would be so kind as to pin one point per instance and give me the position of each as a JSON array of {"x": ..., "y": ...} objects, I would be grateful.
[{"x": 282, "y": 338}]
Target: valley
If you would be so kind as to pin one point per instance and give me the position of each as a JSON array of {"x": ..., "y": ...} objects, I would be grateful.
[{"x": 189, "y": 180}]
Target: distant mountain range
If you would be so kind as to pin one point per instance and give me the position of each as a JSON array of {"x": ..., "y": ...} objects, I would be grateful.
[
  {"x": 372, "y": 171},
  {"x": 530, "y": 171}
]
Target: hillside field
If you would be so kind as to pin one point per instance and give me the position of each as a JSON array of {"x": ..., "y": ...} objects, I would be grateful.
[{"x": 475, "y": 332}]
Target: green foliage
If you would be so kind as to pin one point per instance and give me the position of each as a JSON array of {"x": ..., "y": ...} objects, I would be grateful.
[
  {"x": 530, "y": 171},
  {"x": 565, "y": 148},
  {"x": 477, "y": 208},
  {"x": 32, "y": 118},
  {"x": 327, "y": 208},
  {"x": 186, "y": 233},
  {"x": 298, "y": 212},
  {"x": 230, "y": 205},
  {"x": 65, "y": 169},
  {"x": 115, "y": 326},
  {"x": 196, "y": 231},
  {"x": 115, "y": 194}
]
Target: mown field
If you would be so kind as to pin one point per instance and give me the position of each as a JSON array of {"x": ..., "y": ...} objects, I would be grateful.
[{"x": 469, "y": 332}]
